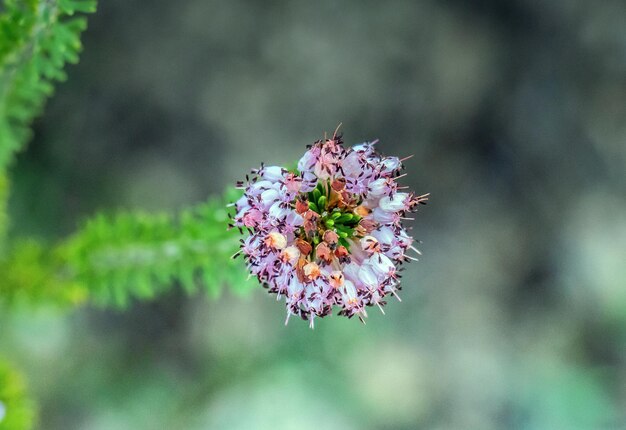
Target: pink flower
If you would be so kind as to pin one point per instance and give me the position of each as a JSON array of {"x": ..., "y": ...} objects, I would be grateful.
[{"x": 330, "y": 234}]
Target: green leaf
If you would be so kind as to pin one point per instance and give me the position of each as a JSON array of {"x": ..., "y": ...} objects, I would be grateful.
[
  {"x": 138, "y": 255},
  {"x": 17, "y": 411},
  {"x": 71, "y": 6},
  {"x": 37, "y": 39}
]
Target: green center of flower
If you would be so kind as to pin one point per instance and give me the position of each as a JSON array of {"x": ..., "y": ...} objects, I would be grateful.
[{"x": 335, "y": 212}]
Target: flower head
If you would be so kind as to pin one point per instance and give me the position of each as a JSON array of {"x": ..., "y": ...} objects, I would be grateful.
[{"x": 329, "y": 234}]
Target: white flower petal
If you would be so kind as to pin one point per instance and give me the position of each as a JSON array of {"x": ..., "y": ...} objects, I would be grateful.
[{"x": 394, "y": 203}]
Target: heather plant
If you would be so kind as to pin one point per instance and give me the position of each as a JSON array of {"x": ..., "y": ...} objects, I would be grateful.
[
  {"x": 327, "y": 235},
  {"x": 109, "y": 318}
]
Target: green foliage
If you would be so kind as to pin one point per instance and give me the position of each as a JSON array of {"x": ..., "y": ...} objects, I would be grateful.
[
  {"x": 37, "y": 39},
  {"x": 4, "y": 196},
  {"x": 113, "y": 259},
  {"x": 36, "y": 273},
  {"x": 16, "y": 410},
  {"x": 139, "y": 255}
]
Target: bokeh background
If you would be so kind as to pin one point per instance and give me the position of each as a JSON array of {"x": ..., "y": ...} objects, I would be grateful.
[{"x": 515, "y": 317}]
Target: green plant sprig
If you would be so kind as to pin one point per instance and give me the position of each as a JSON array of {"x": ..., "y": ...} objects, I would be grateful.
[
  {"x": 114, "y": 259},
  {"x": 37, "y": 39}
]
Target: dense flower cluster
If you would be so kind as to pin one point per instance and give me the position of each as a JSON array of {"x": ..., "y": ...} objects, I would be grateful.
[{"x": 329, "y": 233}]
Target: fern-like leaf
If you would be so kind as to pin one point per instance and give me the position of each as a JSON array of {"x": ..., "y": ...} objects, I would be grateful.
[
  {"x": 33, "y": 272},
  {"x": 139, "y": 255},
  {"x": 37, "y": 39},
  {"x": 114, "y": 259}
]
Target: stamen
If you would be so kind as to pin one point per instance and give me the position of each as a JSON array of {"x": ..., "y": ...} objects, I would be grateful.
[
  {"x": 396, "y": 294},
  {"x": 415, "y": 249},
  {"x": 336, "y": 130}
]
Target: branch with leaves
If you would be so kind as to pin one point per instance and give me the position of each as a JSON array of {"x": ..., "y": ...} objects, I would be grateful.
[
  {"x": 112, "y": 259},
  {"x": 37, "y": 39}
]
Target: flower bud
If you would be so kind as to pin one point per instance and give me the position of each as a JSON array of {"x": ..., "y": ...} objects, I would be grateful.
[
  {"x": 323, "y": 252},
  {"x": 342, "y": 254},
  {"x": 304, "y": 247},
  {"x": 338, "y": 184},
  {"x": 302, "y": 205},
  {"x": 362, "y": 211},
  {"x": 330, "y": 237}
]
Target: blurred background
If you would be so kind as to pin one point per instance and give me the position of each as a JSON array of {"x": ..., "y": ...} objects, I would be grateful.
[{"x": 515, "y": 317}]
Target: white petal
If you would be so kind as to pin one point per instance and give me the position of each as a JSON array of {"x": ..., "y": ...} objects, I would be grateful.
[
  {"x": 294, "y": 219},
  {"x": 351, "y": 271},
  {"x": 349, "y": 291},
  {"x": 307, "y": 162},
  {"x": 383, "y": 217},
  {"x": 390, "y": 164},
  {"x": 381, "y": 265},
  {"x": 385, "y": 235},
  {"x": 394, "y": 203},
  {"x": 268, "y": 197},
  {"x": 351, "y": 165},
  {"x": 273, "y": 173},
  {"x": 368, "y": 277},
  {"x": 277, "y": 211},
  {"x": 258, "y": 187},
  {"x": 377, "y": 188}
]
